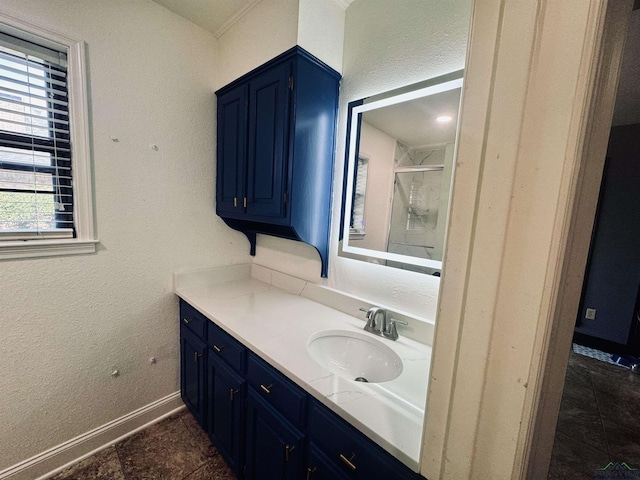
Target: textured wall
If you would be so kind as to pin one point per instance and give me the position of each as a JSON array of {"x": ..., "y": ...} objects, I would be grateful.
[
  {"x": 267, "y": 30},
  {"x": 65, "y": 322}
]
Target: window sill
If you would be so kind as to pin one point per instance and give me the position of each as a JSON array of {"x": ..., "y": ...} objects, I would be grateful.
[{"x": 45, "y": 248}]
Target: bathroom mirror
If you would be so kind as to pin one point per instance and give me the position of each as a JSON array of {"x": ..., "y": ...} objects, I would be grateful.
[{"x": 399, "y": 165}]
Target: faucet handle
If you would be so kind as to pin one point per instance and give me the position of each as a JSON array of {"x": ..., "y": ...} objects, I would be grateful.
[{"x": 392, "y": 330}]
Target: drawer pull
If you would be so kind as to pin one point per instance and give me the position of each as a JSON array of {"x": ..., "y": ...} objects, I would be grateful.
[
  {"x": 218, "y": 349},
  {"x": 232, "y": 393},
  {"x": 266, "y": 389},
  {"x": 186, "y": 320},
  {"x": 348, "y": 461},
  {"x": 287, "y": 450},
  {"x": 310, "y": 472}
]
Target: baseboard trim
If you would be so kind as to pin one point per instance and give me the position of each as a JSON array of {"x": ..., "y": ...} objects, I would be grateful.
[{"x": 52, "y": 461}]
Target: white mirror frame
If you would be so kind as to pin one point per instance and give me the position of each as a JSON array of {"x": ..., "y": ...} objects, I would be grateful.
[{"x": 352, "y": 144}]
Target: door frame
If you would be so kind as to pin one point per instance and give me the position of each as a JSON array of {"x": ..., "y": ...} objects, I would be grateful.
[{"x": 536, "y": 111}]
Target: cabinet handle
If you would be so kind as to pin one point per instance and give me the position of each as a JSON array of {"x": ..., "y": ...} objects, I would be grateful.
[
  {"x": 218, "y": 349},
  {"x": 235, "y": 202},
  {"x": 196, "y": 355},
  {"x": 245, "y": 202},
  {"x": 232, "y": 393},
  {"x": 287, "y": 450},
  {"x": 310, "y": 472},
  {"x": 185, "y": 320},
  {"x": 348, "y": 461},
  {"x": 266, "y": 389}
]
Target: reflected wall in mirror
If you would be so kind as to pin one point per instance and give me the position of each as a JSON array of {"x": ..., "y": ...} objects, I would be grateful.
[{"x": 398, "y": 171}]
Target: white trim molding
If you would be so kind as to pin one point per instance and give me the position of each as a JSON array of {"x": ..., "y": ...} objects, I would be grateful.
[{"x": 52, "y": 461}]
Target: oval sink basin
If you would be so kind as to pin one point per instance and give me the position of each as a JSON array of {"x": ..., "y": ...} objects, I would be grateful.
[{"x": 355, "y": 356}]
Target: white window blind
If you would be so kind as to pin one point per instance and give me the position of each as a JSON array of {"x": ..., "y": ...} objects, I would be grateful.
[{"x": 36, "y": 188}]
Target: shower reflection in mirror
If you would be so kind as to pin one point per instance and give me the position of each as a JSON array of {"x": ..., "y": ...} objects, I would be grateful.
[{"x": 400, "y": 157}]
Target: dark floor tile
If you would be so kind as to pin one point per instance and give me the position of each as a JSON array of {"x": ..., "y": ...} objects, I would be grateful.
[
  {"x": 165, "y": 450},
  {"x": 620, "y": 403},
  {"x": 104, "y": 465},
  {"x": 573, "y": 459},
  {"x": 613, "y": 378},
  {"x": 582, "y": 424},
  {"x": 579, "y": 416},
  {"x": 624, "y": 443},
  {"x": 214, "y": 469},
  {"x": 200, "y": 437}
]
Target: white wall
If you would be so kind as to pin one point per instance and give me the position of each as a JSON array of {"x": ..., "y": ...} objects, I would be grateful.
[
  {"x": 267, "y": 30},
  {"x": 65, "y": 322},
  {"x": 321, "y": 30}
]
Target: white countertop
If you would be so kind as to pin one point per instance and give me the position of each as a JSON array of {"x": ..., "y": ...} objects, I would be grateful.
[{"x": 276, "y": 325}]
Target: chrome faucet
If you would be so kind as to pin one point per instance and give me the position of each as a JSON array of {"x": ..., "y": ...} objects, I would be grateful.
[
  {"x": 385, "y": 328},
  {"x": 372, "y": 321}
]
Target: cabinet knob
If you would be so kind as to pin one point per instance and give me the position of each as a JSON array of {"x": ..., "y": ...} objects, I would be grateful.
[
  {"x": 266, "y": 389},
  {"x": 348, "y": 461},
  {"x": 186, "y": 320},
  {"x": 218, "y": 349}
]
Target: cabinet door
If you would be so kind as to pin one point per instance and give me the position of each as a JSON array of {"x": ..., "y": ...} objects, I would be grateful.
[
  {"x": 192, "y": 373},
  {"x": 232, "y": 151},
  {"x": 274, "y": 446},
  {"x": 225, "y": 406},
  {"x": 269, "y": 97}
]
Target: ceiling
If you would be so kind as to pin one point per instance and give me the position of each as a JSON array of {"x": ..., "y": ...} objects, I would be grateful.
[
  {"x": 414, "y": 124},
  {"x": 215, "y": 16}
]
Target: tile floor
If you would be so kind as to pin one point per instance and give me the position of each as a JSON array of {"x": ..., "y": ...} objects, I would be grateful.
[
  {"x": 173, "y": 449},
  {"x": 599, "y": 419}
]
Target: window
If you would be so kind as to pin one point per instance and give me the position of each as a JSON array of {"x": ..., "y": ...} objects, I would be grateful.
[{"x": 45, "y": 197}]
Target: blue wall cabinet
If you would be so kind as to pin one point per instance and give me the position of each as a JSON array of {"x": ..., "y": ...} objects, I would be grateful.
[{"x": 276, "y": 141}]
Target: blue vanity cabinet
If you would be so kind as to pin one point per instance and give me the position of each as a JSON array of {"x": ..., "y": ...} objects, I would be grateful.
[
  {"x": 226, "y": 394},
  {"x": 226, "y": 404},
  {"x": 349, "y": 451},
  {"x": 265, "y": 426},
  {"x": 193, "y": 353},
  {"x": 319, "y": 467},
  {"x": 275, "y": 150},
  {"x": 274, "y": 448},
  {"x": 276, "y": 417}
]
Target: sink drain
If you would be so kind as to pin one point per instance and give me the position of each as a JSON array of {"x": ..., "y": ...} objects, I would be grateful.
[{"x": 361, "y": 379}]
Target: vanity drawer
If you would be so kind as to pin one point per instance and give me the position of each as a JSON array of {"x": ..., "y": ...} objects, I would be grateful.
[
  {"x": 277, "y": 390},
  {"x": 351, "y": 452},
  {"x": 227, "y": 348},
  {"x": 193, "y": 319}
]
